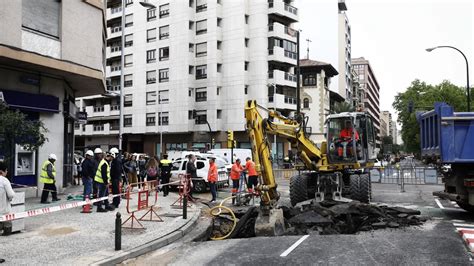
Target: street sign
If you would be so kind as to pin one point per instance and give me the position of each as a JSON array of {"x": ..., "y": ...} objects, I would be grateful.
[
  {"x": 431, "y": 176},
  {"x": 81, "y": 117}
]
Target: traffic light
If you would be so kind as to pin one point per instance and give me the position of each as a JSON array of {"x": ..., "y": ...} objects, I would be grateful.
[
  {"x": 234, "y": 143},
  {"x": 213, "y": 143},
  {"x": 230, "y": 138}
]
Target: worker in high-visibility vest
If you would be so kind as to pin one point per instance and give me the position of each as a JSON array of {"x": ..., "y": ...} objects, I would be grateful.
[
  {"x": 102, "y": 178},
  {"x": 48, "y": 178},
  {"x": 165, "y": 169},
  {"x": 235, "y": 173}
]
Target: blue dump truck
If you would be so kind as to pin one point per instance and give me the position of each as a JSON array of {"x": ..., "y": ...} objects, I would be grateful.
[{"x": 447, "y": 140}]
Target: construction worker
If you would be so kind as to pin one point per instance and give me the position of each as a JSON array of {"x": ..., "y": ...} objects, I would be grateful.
[
  {"x": 116, "y": 169},
  {"x": 102, "y": 178},
  {"x": 47, "y": 177},
  {"x": 212, "y": 178},
  {"x": 235, "y": 173},
  {"x": 98, "y": 155},
  {"x": 252, "y": 173},
  {"x": 165, "y": 169},
  {"x": 346, "y": 136},
  {"x": 88, "y": 173}
]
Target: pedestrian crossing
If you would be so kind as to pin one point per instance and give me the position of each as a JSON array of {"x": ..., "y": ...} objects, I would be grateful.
[{"x": 466, "y": 231}]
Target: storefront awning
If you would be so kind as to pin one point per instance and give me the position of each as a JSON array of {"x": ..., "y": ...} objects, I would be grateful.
[{"x": 30, "y": 102}]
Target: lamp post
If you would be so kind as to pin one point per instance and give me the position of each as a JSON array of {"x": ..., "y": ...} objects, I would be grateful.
[
  {"x": 122, "y": 82},
  {"x": 274, "y": 146},
  {"x": 467, "y": 71}
]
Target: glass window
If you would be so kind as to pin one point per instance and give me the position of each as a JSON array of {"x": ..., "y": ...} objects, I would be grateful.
[
  {"x": 150, "y": 119},
  {"x": 151, "y": 98},
  {"x": 151, "y": 14},
  {"x": 164, "y": 10},
  {"x": 150, "y": 56},
  {"x": 219, "y": 22},
  {"x": 129, "y": 60},
  {"x": 219, "y": 45},
  {"x": 191, "y": 47},
  {"x": 151, "y": 35},
  {"x": 164, "y": 53},
  {"x": 246, "y": 89},
  {"x": 164, "y": 96},
  {"x": 128, "y": 2},
  {"x": 201, "y": 72},
  {"x": 163, "y": 118},
  {"x": 164, "y": 75},
  {"x": 246, "y": 42},
  {"x": 191, "y": 70},
  {"x": 219, "y": 68},
  {"x": 201, "y": 27},
  {"x": 309, "y": 80},
  {"x": 151, "y": 77},
  {"x": 219, "y": 114},
  {"x": 200, "y": 164},
  {"x": 128, "y": 40},
  {"x": 41, "y": 16},
  {"x": 128, "y": 80},
  {"x": 305, "y": 103},
  {"x": 127, "y": 100},
  {"x": 201, "y": 94},
  {"x": 164, "y": 32},
  {"x": 246, "y": 65},
  {"x": 129, "y": 20},
  {"x": 201, "y": 5},
  {"x": 246, "y": 19},
  {"x": 127, "y": 120},
  {"x": 191, "y": 25},
  {"x": 201, "y": 117},
  {"x": 201, "y": 49}
]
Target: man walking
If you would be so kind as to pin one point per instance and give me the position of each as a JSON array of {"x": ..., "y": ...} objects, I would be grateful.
[
  {"x": 116, "y": 175},
  {"x": 88, "y": 172},
  {"x": 165, "y": 168},
  {"x": 47, "y": 177},
  {"x": 6, "y": 196},
  {"x": 102, "y": 178},
  {"x": 212, "y": 178}
]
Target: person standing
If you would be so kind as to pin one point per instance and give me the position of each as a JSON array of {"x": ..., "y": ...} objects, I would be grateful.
[
  {"x": 191, "y": 173},
  {"x": 47, "y": 177},
  {"x": 252, "y": 173},
  {"x": 88, "y": 172},
  {"x": 212, "y": 178},
  {"x": 116, "y": 169},
  {"x": 102, "y": 177},
  {"x": 6, "y": 196},
  {"x": 152, "y": 172},
  {"x": 165, "y": 168},
  {"x": 98, "y": 155},
  {"x": 132, "y": 168},
  {"x": 235, "y": 173}
]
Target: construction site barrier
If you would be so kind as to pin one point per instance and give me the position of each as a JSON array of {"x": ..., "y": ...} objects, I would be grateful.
[
  {"x": 184, "y": 189},
  {"x": 142, "y": 204}
]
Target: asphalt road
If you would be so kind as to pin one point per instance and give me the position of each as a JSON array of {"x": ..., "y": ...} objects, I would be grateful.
[{"x": 436, "y": 242}]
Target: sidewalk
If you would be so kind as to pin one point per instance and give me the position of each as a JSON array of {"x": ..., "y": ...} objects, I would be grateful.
[{"x": 70, "y": 237}]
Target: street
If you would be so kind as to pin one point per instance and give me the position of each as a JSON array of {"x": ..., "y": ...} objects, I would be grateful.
[{"x": 435, "y": 242}]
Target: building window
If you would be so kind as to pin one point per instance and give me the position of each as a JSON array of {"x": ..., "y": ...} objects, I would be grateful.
[
  {"x": 127, "y": 120},
  {"x": 201, "y": 94},
  {"x": 128, "y": 40},
  {"x": 219, "y": 114},
  {"x": 309, "y": 80},
  {"x": 164, "y": 10},
  {"x": 191, "y": 70},
  {"x": 164, "y": 53},
  {"x": 151, "y": 14},
  {"x": 246, "y": 19},
  {"x": 201, "y": 72},
  {"x": 128, "y": 60},
  {"x": 164, "y": 75},
  {"x": 128, "y": 80},
  {"x": 201, "y": 49},
  {"x": 164, "y": 32},
  {"x": 191, "y": 47},
  {"x": 151, "y": 98},
  {"x": 191, "y": 25},
  {"x": 151, "y": 35},
  {"x": 151, "y": 77},
  {"x": 246, "y": 65},
  {"x": 201, "y": 27},
  {"x": 127, "y": 100},
  {"x": 218, "y": 90},
  {"x": 150, "y": 119},
  {"x": 163, "y": 96},
  {"x": 201, "y": 117},
  {"x": 219, "y": 45},
  {"x": 150, "y": 56},
  {"x": 190, "y": 92},
  {"x": 128, "y": 2},
  {"x": 201, "y": 5},
  {"x": 190, "y": 115},
  {"x": 191, "y": 3},
  {"x": 129, "y": 20},
  {"x": 163, "y": 118},
  {"x": 246, "y": 89},
  {"x": 219, "y": 22},
  {"x": 219, "y": 68},
  {"x": 40, "y": 16},
  {"x": 246, "y": 42},
  {"x": 305, "y": 103}
]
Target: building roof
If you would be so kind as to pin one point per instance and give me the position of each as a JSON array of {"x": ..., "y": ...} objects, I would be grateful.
[{"x": 328, "y": 68}]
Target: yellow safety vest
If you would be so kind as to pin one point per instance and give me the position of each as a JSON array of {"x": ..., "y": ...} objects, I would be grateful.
[
  {"x": 165, "y": 162},
  {"x": 44, "y": 178},
  {"x": 98, "y": 173}
]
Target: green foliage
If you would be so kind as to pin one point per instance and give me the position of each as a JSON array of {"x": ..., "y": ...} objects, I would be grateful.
[
  {"x": 423, "y": 97},
  {"x": 341, "y": 107},
  {"x": 15, "y": 128}
]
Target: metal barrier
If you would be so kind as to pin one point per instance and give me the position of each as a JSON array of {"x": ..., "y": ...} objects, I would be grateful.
[
  {"x": 142, "y": 204},
  {"x": 423, "y": 175}
]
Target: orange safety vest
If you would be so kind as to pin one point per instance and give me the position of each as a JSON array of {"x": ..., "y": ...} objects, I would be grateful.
[
  {"x": 212, "y": 175},
  {"x": 250, "y": 166},
  {"x": 347, "y": 133},
  {"x": 235, "y": 171}
]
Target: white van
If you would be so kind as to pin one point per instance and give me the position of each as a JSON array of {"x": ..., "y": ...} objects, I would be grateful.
[
  {"x": 202, "y": 166},
  {"x": 241, "y": 154}
]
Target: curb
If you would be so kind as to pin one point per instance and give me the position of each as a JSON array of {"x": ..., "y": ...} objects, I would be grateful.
[{"x": 152, "y": 245}]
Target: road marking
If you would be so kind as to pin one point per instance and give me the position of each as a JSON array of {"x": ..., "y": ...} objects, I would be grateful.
[
  {"x": 464, "y": 225},
  {"x": 296, "y": 244},
  {"x": 439, "y": 204}
]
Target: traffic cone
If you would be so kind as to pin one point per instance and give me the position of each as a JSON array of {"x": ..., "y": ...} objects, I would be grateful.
[{"x": 86, "y": 208}]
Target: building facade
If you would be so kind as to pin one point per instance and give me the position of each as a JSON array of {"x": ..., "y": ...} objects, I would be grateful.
[
  {"x": 344, "y": 53},
  {"x": 188, "y": 69},
  {"x": 371, "y": 91},
  {"x": 51, "y": 52}
]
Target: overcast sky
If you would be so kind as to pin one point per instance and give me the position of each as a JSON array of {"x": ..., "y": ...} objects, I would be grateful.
[{"x": 393, "y": 36}]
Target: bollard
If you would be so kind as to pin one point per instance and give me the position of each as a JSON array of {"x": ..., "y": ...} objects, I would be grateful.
[
  {"x": 185, "y": 206},
  {"x": 118, "y": 231}
]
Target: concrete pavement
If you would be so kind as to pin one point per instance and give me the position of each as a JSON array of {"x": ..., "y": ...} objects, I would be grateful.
[{"x": 70, "y": 237}]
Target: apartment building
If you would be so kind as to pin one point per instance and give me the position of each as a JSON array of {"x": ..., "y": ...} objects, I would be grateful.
[
  {"x": 51, "y": 52},
  {"x": 188, "y": 69},
  {"x": 344, "y": 53},
  {"x": 371, "y": 89}
]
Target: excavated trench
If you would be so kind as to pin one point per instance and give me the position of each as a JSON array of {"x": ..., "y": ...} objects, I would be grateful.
[{"x": 324, "y": 218}]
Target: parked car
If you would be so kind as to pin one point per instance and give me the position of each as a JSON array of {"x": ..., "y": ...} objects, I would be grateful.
[{"x": 202, "y": 166}]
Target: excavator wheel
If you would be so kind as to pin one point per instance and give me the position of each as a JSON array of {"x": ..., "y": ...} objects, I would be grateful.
[
  {"x": 298, "y": 189},
  {"x": 360, "y": 188}
]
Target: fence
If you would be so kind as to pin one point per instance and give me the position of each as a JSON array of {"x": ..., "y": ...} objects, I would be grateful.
[{"x": 420, "y": 175}]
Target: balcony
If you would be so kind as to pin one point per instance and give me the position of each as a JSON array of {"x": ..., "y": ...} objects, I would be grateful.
[
  {"x": 100, "y": 129},
  {"x": 280, "y": 55},
  {"x": 282, "y": 101},
  {"x": 111, "y": 71},
  {"x": 114, "y": 12},
  {"x": 281, "y": 31},
  {"x": 105, "y": 111},
  {"x": 282, "y": 78},
  {"x": 114, "y": 32},
  {"x": 281, "y": 9},
  {"x": 113, "y": 51}
]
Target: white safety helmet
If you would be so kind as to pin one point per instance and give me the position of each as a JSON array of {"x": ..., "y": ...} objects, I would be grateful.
[
  {"x": 98, "y": 150},
  {"x": 52, "y": 156},
  {"x": 114, "y": 151},
  {"x": 90, "y": 153}
]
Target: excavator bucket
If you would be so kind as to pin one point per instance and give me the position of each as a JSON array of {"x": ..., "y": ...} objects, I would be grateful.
[{"x": 270, "y": 223}]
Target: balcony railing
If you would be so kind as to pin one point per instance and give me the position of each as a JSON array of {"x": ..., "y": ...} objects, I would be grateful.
[
  {"x": 116, "y": 29},
  {"x": 117, "y": 9},
  {"x": 115, "y": 68},
  {"x": 291, "y": 55},
  {"x": 115, "y": 49},
  {"x": 98, "y": 109},
  {"x": 114, "y": 107},
  {"x": 290, "y": 77},
  {"x": 291, "y": 9},
  {"x": 290, "y": 100}
]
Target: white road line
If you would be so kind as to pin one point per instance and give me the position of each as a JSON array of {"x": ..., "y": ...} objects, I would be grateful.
[
  {"x": 296, "y": 244},
  {"x": 464, "y": 228},
  {"x": 464, "y": 225},
  {"x": 459, "y": 221},
  {"x": 439, "y": 204}
]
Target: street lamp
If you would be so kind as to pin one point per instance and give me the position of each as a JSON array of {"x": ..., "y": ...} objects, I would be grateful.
[
  {"x": 467, "y": 71},
  {"x": 274, "y": 146}
]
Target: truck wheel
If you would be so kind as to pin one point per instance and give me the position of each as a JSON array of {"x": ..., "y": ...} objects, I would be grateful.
[
  {"x": 360, "y": 188},
  {"x": 199, "y": 186},
  {"x": 466, "y": 206},
  {"x": 298, "y": 189}
]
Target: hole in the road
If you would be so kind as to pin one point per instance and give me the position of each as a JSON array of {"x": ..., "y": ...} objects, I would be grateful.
[{"x": 325, "y": 218}]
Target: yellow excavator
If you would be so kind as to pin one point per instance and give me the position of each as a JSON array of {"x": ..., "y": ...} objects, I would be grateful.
[{"x": 337, "y": 168}]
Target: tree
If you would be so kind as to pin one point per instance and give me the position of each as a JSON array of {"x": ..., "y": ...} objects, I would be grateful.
[
  {"x": 15, "y": 128},
  {"x": 422, "y": 97},
  {"x": 341, "y": 107}
]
